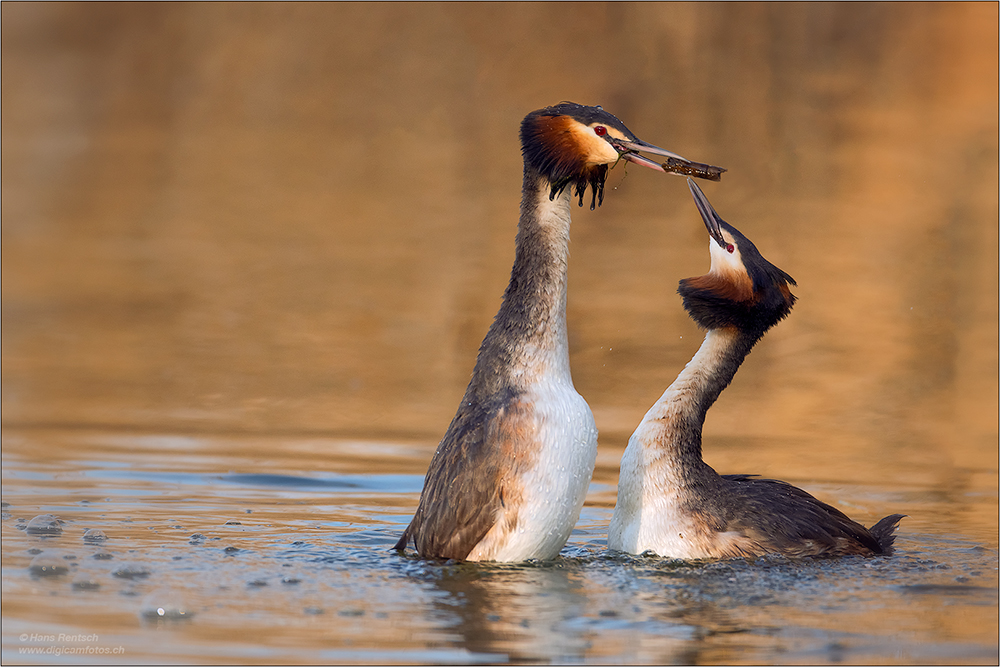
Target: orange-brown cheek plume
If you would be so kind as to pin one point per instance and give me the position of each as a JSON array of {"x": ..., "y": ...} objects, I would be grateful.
[{"x": 550, "y": 146}]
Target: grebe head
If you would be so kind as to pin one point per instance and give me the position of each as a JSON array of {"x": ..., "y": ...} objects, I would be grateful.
[
  {"x": 742, "y": 289},
  {"x": 572, "y": 145}
]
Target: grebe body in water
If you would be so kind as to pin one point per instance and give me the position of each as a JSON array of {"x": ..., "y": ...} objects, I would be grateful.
[
  {"x": 509, "y": 477},
  {"x": 670, "y": 501}
]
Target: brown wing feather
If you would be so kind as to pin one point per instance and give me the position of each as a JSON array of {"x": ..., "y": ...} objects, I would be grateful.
[
  {"x": 472, "y": 473},
  {"x": 778, "y": 517}
]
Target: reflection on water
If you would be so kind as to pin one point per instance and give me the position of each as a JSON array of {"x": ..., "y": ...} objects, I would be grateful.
[
  {"x": 249, "y": 253},
  {"x": 498, "y": 610}
]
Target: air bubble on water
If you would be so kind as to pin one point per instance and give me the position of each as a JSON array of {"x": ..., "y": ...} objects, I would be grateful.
[
  {"x": 85, "y": 582},
  {"x": 45, "y": 525},
  {"x": 351, "y": 612},
  {"x": 164, "y": 606},
  {"x": 94, "y": 535},
  {"x": 47, "y": 565},
  {"x": 131, "y": 571}
]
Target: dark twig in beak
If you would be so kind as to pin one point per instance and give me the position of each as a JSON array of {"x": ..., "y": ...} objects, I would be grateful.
[{"x": 675, "y": 164}]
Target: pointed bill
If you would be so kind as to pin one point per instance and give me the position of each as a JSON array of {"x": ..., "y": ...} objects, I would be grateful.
[{"x": 708, "y": 214}]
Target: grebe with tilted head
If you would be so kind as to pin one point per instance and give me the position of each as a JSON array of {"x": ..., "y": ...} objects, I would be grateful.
[
  {"x": 670, "y": 501},
  {"x": 508, "y": 479}
]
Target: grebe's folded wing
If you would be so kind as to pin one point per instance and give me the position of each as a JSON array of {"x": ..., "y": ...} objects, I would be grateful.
[
  {"x": 791, "y": 521},
  {"x": 470, "y": 477}
]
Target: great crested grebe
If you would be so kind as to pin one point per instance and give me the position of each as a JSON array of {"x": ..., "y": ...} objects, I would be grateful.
[
  {"x": 670, "y": 501},
  {"x": 509, "y": 477}
]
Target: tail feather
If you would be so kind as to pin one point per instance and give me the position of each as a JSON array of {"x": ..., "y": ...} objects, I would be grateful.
[
  {"x": 401, "y": 544},
  {"x": 883, "y": 532}
]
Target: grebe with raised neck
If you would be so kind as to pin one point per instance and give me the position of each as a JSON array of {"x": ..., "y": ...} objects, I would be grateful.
[{"x": 672, "y": 503}]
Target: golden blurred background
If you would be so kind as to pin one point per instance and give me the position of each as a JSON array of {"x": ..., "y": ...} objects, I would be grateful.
[{"x": 299, "y": 218}]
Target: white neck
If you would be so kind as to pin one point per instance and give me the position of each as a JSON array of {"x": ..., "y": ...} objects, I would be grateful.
[{"x": 672, "y": 426}]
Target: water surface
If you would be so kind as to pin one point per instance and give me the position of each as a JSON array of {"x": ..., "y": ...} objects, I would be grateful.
[{"x": 206, "y": 562}]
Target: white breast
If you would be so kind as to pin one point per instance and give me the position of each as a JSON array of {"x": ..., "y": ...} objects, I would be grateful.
[
  {"x": 648, "y": 514},
  {"x": 556, "y": 485}
]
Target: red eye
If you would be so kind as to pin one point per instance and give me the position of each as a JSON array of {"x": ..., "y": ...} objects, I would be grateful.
[
  {"x": 730, "y": 248},
  {"x": 600, "y": 130}
]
